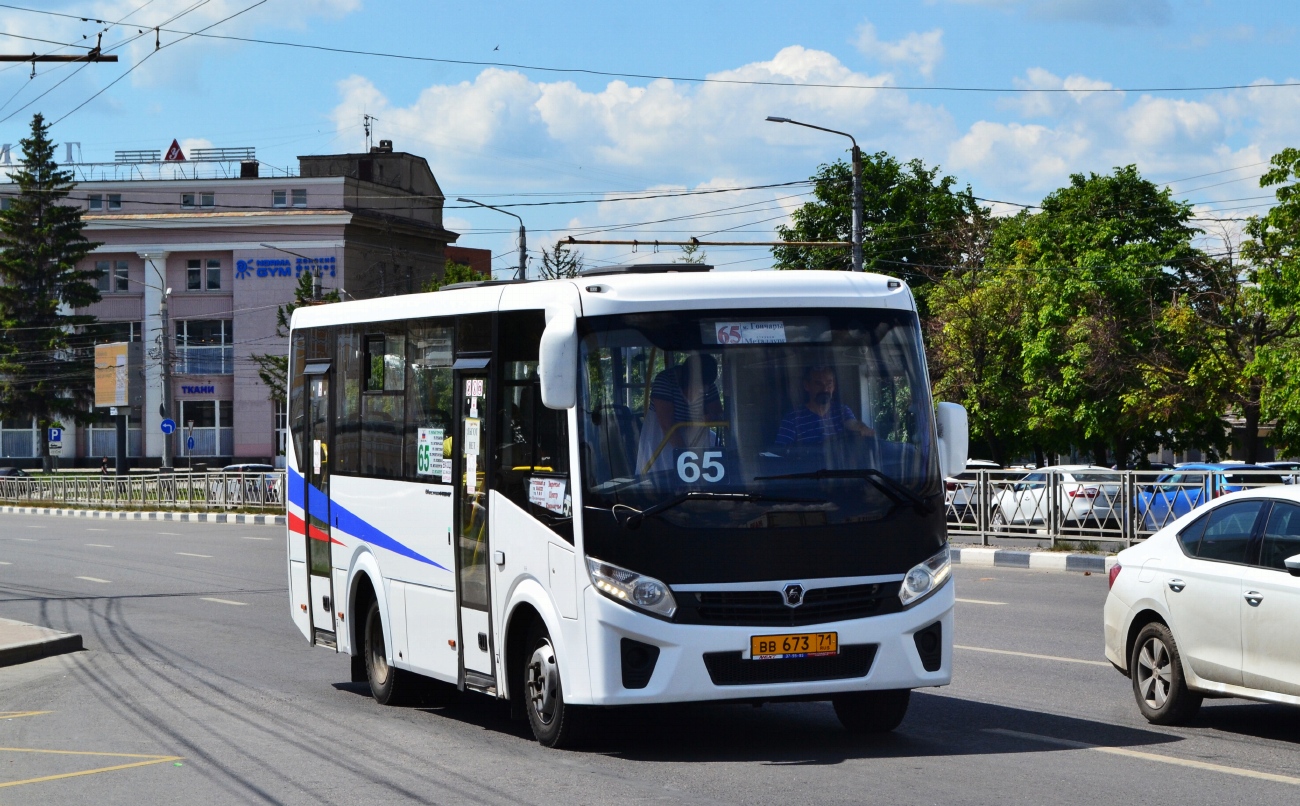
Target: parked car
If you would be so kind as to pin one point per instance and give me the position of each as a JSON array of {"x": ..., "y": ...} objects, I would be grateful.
[
  {"x": 1206, "y": 606},
  {"x": 258, "y": 485},
  {"x": 960, "y": 499},
  {"x": 1087, "y": 495},
  {"x": 1190, "y": 485},
  {"x": 1291, "y": 470},
  {"x": 13, "y": 472}
]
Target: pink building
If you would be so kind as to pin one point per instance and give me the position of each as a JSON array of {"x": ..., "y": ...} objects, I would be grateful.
[{"x": 230, "y": 251}]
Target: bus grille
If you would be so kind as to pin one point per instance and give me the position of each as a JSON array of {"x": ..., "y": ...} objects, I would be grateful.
[
  {"x": 730, "y": 669},
  {"x": 768, "y": 608}
]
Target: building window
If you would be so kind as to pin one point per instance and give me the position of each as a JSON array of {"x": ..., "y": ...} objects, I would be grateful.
[
  {"x": 187, "y": 201},
  {"x": 114, "y": 276},
  {"x": 205, "y": 347},
  {"x": 195, "y": 274},
  {"x": 210, "y": 423},
  {"x": 300, "y": 198},
  {"x": 113, "y": 332},
  {"x": 95, "y": 201},
  {"x": 279, "y": 198},
  {"x": 115, "y": 201},
  {"x": 18, "y": 439},
  {"x": 101, "y": 435},
  {"x": 6, "y": 202}
]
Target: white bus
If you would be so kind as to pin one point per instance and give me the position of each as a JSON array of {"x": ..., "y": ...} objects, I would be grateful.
[{"x": 640, "y": 485}]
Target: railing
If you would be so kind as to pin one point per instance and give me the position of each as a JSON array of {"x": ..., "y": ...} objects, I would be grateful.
[
  {"x": 1097, "y": 506},
  {"x": 253, "y": 490}
]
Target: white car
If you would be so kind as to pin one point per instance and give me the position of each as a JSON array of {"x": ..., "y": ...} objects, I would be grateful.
[
  {"x": 960, "y": 496},
  {"x": 1208, "y": 606},
  {"x": 1086, "y": 495}
]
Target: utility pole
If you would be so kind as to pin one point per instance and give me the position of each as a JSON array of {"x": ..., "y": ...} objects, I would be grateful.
[
  {"x": 522, "y": 272},
  {"x": 857, "y": 185},
  {"x": 167, "y": 454}
]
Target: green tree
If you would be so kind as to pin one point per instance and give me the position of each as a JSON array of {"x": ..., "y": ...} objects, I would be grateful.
[
  {"x": 559, "y": 262},
  {"x": 44, "y": 372},
  {"x": 1100, "y": 264},
  {"x": 273, "y": 368},
  {"x": 907, "y": 209},
  {"x": 454, "y": 273},
  {"x": 692, "y": 253},
  {"x": 1268, "y": 387}
]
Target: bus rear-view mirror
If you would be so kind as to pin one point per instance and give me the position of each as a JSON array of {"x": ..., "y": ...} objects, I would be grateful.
[
  {"x": 954, "y": 438},
  {"x": 557, "y": 366}
]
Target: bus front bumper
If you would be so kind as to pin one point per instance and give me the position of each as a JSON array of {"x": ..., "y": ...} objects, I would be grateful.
[{"x": 885, "y": 646}]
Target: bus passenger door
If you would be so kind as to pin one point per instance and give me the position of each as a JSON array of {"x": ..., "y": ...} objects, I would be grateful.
[
  {"x": 316, "y": 474},
  {"x": 472, "y": 550}
]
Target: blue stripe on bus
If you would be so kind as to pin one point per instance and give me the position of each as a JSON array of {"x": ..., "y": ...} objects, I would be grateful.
[{"x": 349, "y": 522}]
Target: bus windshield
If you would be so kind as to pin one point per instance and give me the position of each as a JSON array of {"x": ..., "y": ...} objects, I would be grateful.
[{"x": 756, "y": 418}]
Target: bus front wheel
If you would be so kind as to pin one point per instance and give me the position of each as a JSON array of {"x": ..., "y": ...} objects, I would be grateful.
[
  {"x": 872, "y": 711},
  {"x": 554, "y": 722},
  {"x": 388, "y": 684}
]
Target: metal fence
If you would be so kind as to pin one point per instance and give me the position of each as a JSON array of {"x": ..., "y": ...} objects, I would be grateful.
[
  {"x": 261, "y": 491},
  {"x": 1102, "y": 506}
]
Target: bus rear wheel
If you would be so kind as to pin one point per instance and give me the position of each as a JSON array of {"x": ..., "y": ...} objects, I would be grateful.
[
  {"x": 866, "y": 712},
  {"x": 554, "y": 722},
  {"x": 388, "y": 684}
]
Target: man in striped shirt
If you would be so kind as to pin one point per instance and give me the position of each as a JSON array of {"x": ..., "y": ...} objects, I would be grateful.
[{"x": 822, "y": 417}]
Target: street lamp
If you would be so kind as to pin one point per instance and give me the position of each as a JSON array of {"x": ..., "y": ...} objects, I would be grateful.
[
  {"x": 857, "y": 185},
  {"x": 522, "y": 273}
]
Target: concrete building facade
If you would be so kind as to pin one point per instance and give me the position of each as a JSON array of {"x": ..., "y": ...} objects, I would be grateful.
[{"x": 227, "y": 253}]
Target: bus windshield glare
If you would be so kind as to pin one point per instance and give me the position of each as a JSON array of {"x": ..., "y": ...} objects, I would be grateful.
[{"x": 756, "y": 418}]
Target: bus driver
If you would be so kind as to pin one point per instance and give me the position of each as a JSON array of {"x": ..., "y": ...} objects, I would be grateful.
[{"x": 821, "y": 417}]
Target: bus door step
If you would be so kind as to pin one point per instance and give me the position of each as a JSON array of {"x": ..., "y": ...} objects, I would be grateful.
[{"x": 481, "y": 683}]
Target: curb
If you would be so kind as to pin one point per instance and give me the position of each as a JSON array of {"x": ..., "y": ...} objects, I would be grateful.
[
  {"x": 1040, "y": 560},
  {"x": 50, "y": 644},
  {"x": 191, "y": 517}
]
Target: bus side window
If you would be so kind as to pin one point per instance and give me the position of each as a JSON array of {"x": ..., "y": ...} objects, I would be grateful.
[
  {"x": 347, "y": 401},
  {"x": 297, "y": 407},
  {"x": 383, "y": 402},
  {"x": 428, "y": 398}
]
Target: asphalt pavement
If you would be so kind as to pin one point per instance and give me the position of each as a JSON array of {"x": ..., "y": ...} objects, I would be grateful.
[{"x": 195, "y": 687}]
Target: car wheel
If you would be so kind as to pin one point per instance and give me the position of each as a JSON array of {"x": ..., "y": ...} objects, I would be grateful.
[
  {"x": 388, "y": 684},
  {"x": 554, "y": 722},
  {"x": 998, "y": 521},
  {"x": 1156, "y": 669},
  {"x": 872, "y": 711}
]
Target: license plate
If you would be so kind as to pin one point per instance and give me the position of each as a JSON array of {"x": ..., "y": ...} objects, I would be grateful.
[{"x": 797, "y": 645}]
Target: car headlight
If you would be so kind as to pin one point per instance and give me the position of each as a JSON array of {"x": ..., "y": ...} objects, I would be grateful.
[
  {"x": 630, "y": 588},
  {"x": 925, "y": 578}
]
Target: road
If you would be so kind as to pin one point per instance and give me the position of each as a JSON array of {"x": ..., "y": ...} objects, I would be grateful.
[{"x": 196, "y": 688}]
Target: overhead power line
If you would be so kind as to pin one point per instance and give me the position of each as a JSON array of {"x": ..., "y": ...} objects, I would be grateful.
[{"x": 684, "y": 79}]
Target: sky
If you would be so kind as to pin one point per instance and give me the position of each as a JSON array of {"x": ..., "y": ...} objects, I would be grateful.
[{"x": 522, "y": 111}]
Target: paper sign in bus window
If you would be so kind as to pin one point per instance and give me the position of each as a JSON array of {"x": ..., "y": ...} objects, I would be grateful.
[
  {"x": 749, "y": 332},
  {"x": 471, "y": 436},
  {"x": 446, "y": 471},
  {"x": 547, "y": 492},
  {"x": 428, "y": 451}
]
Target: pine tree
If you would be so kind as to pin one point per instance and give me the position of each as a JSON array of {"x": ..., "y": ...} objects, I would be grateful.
[
  {"x": 46, "y": 372},
  {"x": 559, "y": 262},
  {"x": 273, "y": 368}
]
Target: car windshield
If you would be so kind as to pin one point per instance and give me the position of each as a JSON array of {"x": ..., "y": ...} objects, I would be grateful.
[{"x": 804, "y": 417}]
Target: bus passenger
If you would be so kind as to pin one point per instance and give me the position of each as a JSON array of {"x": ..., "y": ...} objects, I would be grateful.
[
  {"x": 822, "y": 416},
  {"x": 682, "y": 399}
]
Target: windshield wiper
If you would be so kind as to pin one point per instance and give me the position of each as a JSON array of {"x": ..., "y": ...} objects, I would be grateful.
[
  {"x": 633, "y": 521},
  {"x": 893, "y": 489}
]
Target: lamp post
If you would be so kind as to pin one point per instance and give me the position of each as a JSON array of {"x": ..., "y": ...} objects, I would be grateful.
[
  {"x": 857, "y": 185},
  {"x": 522, "y": 272}
]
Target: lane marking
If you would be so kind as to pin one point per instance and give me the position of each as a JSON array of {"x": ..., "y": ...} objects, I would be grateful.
[
  {"x": 100, "y": 545},
  {"x": 89, "y": 579},
  {"x": 4, "y": 563},
  {"x": 171, "y": 534},
  {"x": 187, "y": 554},
  {"x": 980, "y": 601},
  {"x": 96, "y": 530},
  {"x": 16, "y": 714},
  {"x": 1031, "y": 655},
  {"x": 29, "y": 526},
  {"x": 246, "y": 537},
  {"x": 223, "y": 601},
  {"x": 1174, "y": 760},
  {"x": 148, "y": 761},
  {"x": 26, "y": 539}
]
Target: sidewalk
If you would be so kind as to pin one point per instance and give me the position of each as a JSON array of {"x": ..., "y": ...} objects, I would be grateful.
[
  {"x": 1039, "y": 560},
  {"x": 20, "y": 643},
  {"x": 137, "y": 515}
]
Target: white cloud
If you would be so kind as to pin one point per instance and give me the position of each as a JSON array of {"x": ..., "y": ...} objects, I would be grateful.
[{"x": 922, "y": 51}]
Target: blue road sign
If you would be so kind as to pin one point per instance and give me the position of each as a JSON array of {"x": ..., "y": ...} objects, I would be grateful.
[
  {"x": 56, "y": 435},
  {"x": 168, "y": 425},
  {"x": 189, "y": 444}
]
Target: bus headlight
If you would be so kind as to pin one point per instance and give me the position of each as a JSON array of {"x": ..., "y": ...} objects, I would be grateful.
[
  {"x": 631, "y": 588},
  {"x": 925, "y": 578}
]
